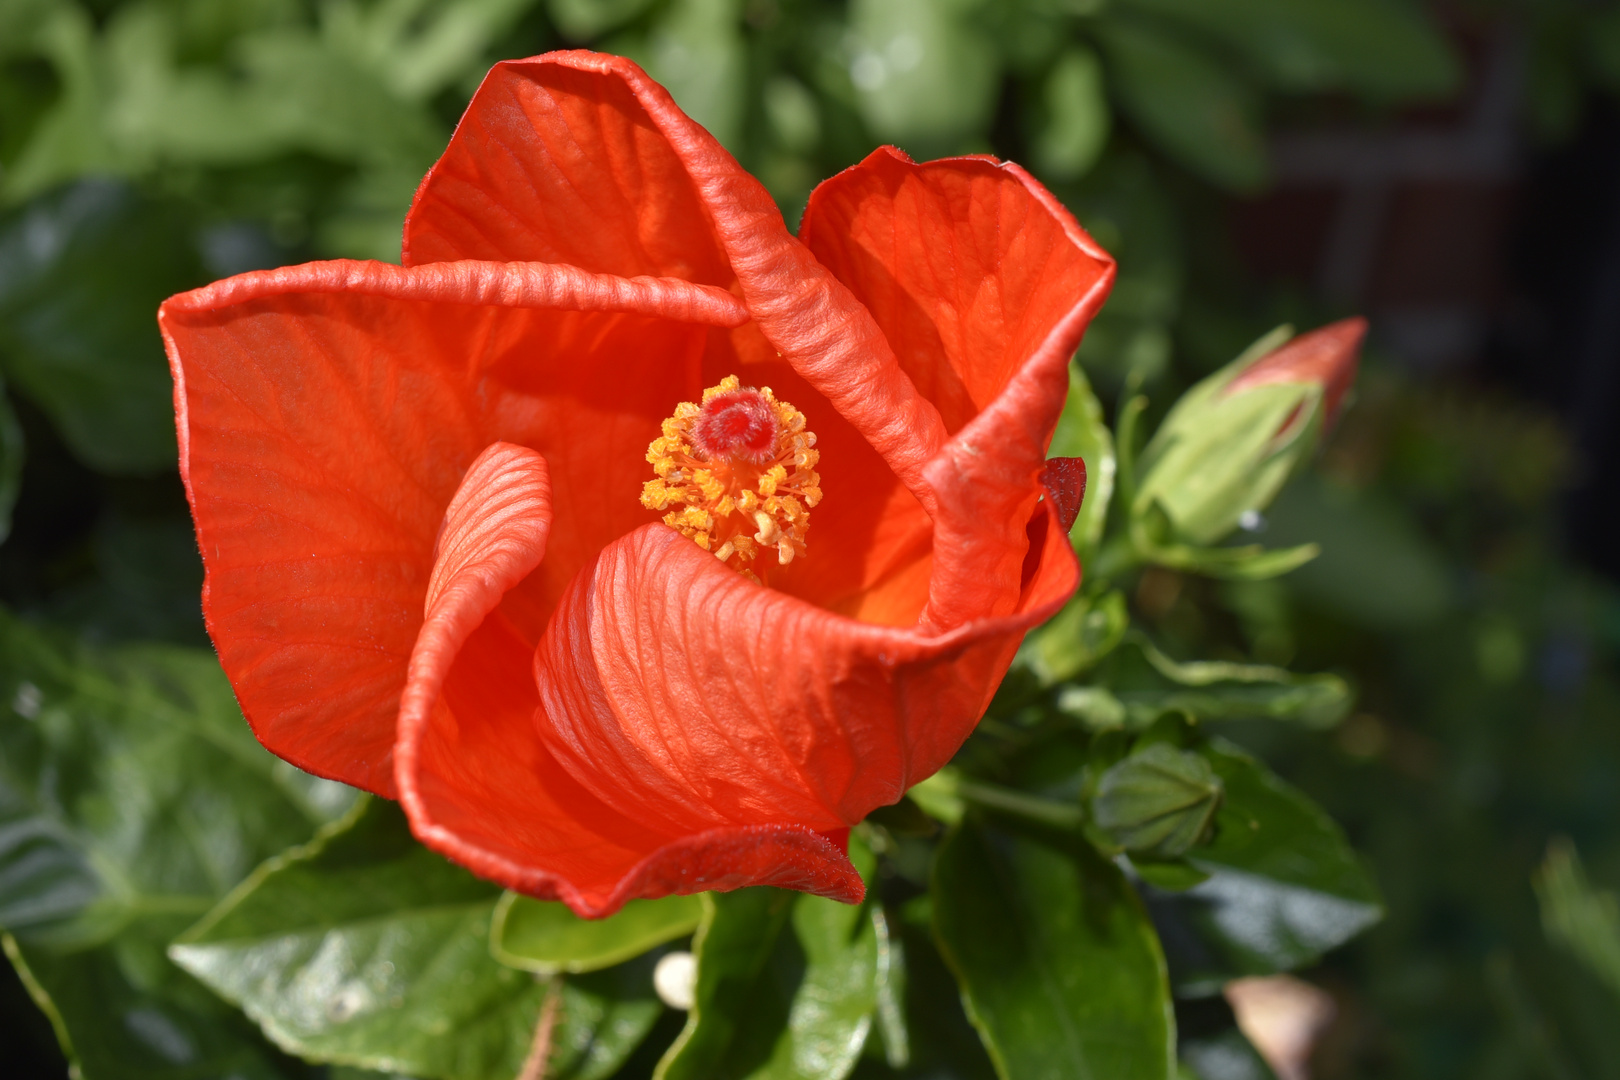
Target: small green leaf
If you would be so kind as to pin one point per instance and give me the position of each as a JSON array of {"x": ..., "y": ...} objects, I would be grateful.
[
  {"x": 1059, "y": 966},
  {"x": 1159, "y": 801},
  {"x": 365, "y": 948},
  {"x": 1201, "y": 114},
  {"x": 1284, "y": 884},
  {"x": 1077, "y": 117},
  {"x": 1220, "y": 690},
  {"x": 1083, "y": 433},
  {"x": 787, "y": 985},
  {"x": 545, "y": 937}
]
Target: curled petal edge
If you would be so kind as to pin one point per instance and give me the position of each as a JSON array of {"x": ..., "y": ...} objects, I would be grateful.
[
  {"x": 477, "y": 282},
  {"x": 494, "y": 535}
]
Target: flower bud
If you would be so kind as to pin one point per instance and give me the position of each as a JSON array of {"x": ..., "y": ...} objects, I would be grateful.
[
  {"x": 1233, "y": 440},
  {"x": 1158, "y": 802}
]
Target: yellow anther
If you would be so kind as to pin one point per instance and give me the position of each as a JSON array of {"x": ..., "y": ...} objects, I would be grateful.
[{"x": 736, "y": 475}]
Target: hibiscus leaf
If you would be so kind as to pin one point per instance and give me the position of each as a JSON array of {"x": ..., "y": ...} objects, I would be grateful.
[
  {"x": 82, "y": 271},
  {"x": 922, "y": 75},
  {"x": 1058, "y": 963},
  {"x": 787, "y": 986},
  {"x": 132, "y": 796},
  {"x": 365, "y": 948},
  {"x": 1284, "y": 885},
  {"x": 543, "y": 936}
]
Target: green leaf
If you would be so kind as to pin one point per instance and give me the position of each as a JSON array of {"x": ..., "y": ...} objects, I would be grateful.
[
  {"x": 922, "y": 76},
  {"x": 1078, "y": 637},
  {"x": 1059, "y": 966},
  {"x": 1284, "y": 884},
  {"x": 1077, "y": 119},
  {"x": 132, "y": 796},
  {"x": 1584, "y": 921},
  {"x": 1140, "y": 684},
  {"x": 1384, "y": 49},
  {"x": 1204, "y": 116},
  {"x": 544, "y": 936},
  {"x": 1083, "y": 433},
  {"x": 787, "y": 985},
  {"x": 1159, "y": 801},
  {"x": 365, "y": 948},
  {"x": 86, "y": 268}
]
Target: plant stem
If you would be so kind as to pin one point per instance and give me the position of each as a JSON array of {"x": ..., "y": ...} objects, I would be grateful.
[
  {"x": 1046, "y": 811},
  {"x": 536, "y": 1065}
]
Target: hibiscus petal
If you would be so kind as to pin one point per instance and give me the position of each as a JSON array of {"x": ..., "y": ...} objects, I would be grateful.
[
  {"x": 695, "y": 699},
  {"x": 983, "y": 284},
  {"x": 326, "y": 414},
  {"x": 472, "y": 774},
  {"x": 579, "y": 157}
]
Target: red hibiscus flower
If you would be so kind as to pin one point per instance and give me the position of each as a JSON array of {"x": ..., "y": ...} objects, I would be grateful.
[{"x": 477, "y": 540}]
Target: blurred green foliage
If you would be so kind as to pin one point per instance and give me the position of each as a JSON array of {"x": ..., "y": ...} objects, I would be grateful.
[{"x": 150, "y": 145}]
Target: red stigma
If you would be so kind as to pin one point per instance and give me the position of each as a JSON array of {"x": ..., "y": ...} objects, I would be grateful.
[{"x": 738, "y": 424}]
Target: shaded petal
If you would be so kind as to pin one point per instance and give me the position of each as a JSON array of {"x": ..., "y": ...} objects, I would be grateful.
[
  {"x": 983, "y": 283},
  {"x": 694, "y": 699},
  {"x": 579, "y": 157},
  {"x": 326, "y": 414},
  {"x": 472, "y": 774}
]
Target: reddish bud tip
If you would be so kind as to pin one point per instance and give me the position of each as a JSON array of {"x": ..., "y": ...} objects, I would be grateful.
[
  {"x": 1326, "y": 356},
  {"x": 740, "y": 425}
]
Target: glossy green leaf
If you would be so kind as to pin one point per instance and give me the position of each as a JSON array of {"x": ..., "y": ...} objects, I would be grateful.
[
  {"x": 132, "y": 796},
  {"x": 1385, "y": 49},
  {"x": 365, "y": 948},
  {"x": 1284, "y": 884},
  {"x": 1158, "y": 801},
  {"x": 1187, "y": 103},
  {"x": 1077, "y": 118},
  {"x": 922, "y": 76},
  {"x": 1059, "y": 966},
  {"x": 85, "y": 269},
  {"x": 787, "y": 987},
  {"x": 544, "y": 936},
  {"x": 1083, "y": 433}
]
